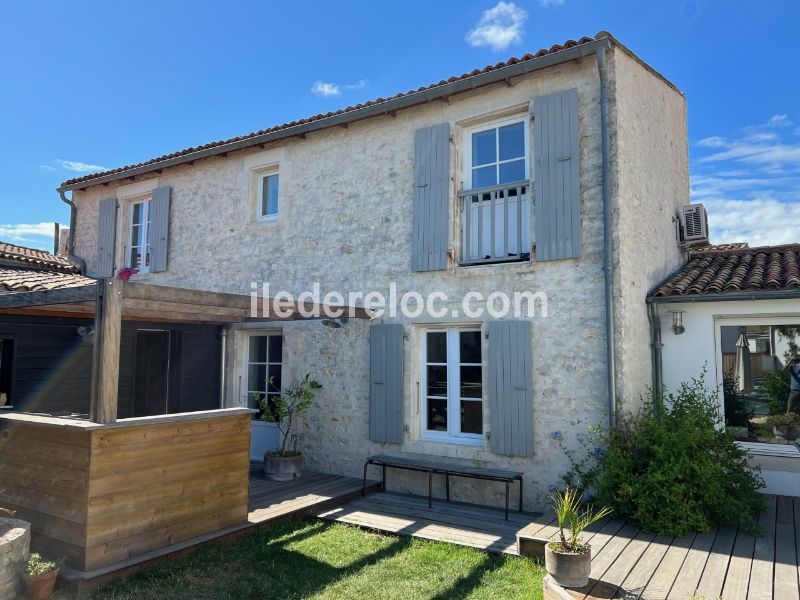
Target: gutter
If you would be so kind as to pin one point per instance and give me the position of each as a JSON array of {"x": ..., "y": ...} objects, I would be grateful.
[
  {"x": 726, "y": 297},
  {"x": 442, "y": 92},
  {"x": 608, "y": 264},
  {"x": 73, "y": 258},
  {"x": 222, "y": 367}
]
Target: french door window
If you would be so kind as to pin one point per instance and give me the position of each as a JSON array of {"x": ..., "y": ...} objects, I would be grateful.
[
  {"x": 141, "y": 237},
  {"x": 496, "y": 209},
  {"x": 452, "y": 385},
  {"x": 264, "y": 360}
]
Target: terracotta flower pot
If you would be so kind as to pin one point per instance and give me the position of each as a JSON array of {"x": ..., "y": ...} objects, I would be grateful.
[
  {"x": 283, "y": 468},
  {"x": 568, "y": 569},
  {"x": 40, "y": 587}
]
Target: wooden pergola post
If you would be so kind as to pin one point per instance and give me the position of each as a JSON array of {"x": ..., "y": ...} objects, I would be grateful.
[{"x": 105, "y": 359}]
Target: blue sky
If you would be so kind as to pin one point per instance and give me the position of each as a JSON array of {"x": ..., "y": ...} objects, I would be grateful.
[{"x": 86, "y": 85}]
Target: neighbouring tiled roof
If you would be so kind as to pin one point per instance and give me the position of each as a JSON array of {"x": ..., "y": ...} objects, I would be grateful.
[
  {"x": 32, "y": 257},
  {"x": 14, "y": 279},
  {"x": 720, "y": 247},
  {"x": 349, "y": 109},
  {"x": 720, "y": 270}
]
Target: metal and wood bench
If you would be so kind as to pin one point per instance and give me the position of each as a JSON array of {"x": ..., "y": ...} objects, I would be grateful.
[{"x": 448, "y": 470}]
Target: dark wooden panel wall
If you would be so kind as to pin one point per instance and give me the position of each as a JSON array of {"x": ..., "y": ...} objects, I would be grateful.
[{"x": 53, "y": 366}]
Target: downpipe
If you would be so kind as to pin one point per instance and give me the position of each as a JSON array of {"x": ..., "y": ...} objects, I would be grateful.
[
  {"x": 75, "y": 260},
  {"x": 608, "y": 265},
  {"x": 655, "y": 356}
]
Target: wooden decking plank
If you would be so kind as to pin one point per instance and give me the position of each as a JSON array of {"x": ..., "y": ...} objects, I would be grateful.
[
  {"x": 322, "y": 486},
  {"x": 303, "y": 502},
  {"x": 664, "y": 575},
  {"x": 609, "y": 585},
  {"x": 692, "y": 569},
  {"x": 532, "y": 530},
  {"x": 738, "y": 577},
  {"x": 713, "y": 578},
  {"x": 605, "y": 550},
  {"x": 264, "y": 494},
  {"x": 469, "y": 521},
  {"x": 640, "y": 575},
  {"x": 786, "y": 581},
  {"x": 490, "y": 514},
  {"x": 420, "y": 528},
  {"x": 763, "y": 570}
]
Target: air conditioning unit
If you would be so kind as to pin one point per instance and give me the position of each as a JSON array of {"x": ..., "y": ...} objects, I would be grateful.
[{"x": 694, "y": 224}]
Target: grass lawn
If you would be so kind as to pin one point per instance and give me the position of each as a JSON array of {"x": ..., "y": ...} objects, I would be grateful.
[{"x": 315, "y": 559}]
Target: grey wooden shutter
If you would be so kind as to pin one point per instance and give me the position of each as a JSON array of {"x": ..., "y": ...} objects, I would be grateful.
[
  {"x": 431, "y": 187},
  {"x": 556, "y": 176},
  {"x": 106, "y": 237},
  {"x": 159, "y": 218},
  {"x": 510, "y": 390},
  {"x": 386, "y": 383}
]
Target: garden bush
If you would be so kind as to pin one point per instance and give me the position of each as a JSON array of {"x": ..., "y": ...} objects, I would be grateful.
[
  {"x": 777, "y": 385},
  {"x": 673, "y": 472}
]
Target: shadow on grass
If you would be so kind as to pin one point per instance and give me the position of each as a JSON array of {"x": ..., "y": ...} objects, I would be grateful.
[{"x": 467, "y": 583}]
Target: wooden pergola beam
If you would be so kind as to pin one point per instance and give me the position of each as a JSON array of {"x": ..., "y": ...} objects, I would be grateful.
[{"x": 105, "y": 359}]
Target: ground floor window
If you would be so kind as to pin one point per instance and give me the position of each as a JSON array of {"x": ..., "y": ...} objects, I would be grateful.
[
  {"x": 759, "y": 373},
  {"x": 264, "y": 364},
  {"x": 6, "y": 370},
  {"x": 452, "y": 384}
]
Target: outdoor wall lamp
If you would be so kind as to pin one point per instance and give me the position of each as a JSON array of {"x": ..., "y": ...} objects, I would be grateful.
[
  {"x": 677, "y": 321},
  {"x": 336, "y": 323}
]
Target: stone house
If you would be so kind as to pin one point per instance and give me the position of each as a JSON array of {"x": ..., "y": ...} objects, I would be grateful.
[{"x": 561, "y": 174}]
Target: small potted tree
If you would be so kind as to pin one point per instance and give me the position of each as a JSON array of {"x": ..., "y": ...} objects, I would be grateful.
[
  {"x": 40, "y": 577},
  {"x": 569, "y": 559},
  {"x": 785, "y": 426},
  {"x": 287, "y": 464}
]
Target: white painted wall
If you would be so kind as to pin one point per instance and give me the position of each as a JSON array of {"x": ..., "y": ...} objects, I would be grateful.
[{"x": 683, "y": 357}]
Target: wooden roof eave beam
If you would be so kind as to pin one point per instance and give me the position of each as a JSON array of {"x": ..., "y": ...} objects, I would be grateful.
[{"x": 85, "y": 293}]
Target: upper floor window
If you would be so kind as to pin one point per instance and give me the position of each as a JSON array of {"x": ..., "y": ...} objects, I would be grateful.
[
  {"x": 268, "y": 197},
  {"x": 141, "y": 236},
  {"x": 496, "y": 209}
]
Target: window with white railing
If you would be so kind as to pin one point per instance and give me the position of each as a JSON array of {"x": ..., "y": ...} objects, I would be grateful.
[{"x": 495, "y": 202}]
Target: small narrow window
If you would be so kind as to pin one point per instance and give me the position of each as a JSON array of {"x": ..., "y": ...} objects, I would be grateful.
[
  {"x": 268, "y": 195},
  {"x": 141, "y": 240},
  {"x": 6, "y": 371}
]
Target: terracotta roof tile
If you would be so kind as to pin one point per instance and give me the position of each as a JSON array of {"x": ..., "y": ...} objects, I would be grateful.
[
  {"x": 32, "y": 257},
  {"x": 511, "y": 61},
  {"x": 735, "y": 268},
  {"x": 33, "y": 280}
]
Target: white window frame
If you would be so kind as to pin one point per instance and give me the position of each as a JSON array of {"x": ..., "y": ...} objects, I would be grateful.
[
  {"x": 453, "y": 434},
  {"x": 466, "y": 166},
  {"x": 262, "y": 177},
  {"x": 145, "y": 202},
  {"x": 248, "y": 363}
]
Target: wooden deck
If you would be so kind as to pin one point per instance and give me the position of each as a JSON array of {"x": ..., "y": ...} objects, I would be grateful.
[
  {"x": 463, "y": 524},
  {"x": 724, "y": 562}
]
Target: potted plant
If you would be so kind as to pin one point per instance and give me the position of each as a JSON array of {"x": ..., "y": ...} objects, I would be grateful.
[
  {"x": 40, "y": 577},
  {"x": 785, "y": 426},
  {"x": 285, "y": 464},
  {"x": 569, "y": 559}
]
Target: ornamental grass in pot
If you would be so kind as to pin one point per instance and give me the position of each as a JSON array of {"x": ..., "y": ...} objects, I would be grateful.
[
  {"x": 40, "y": 577},
  {"x": 286, "y": 464},
  {"x": 569, "y": 559}
]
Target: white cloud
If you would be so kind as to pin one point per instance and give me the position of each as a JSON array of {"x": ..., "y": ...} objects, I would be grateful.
[
  {"x": 761, "y": 222},
  {"x": 750, "y": 184},
  {"x": 47, "y": 168},
  {"x": 79, "y": 167},
  {"x": 32, "y": 234},
  {"x": 332, "y": 90},
  {"x": 326, "y": 90},
  {"x": 499, "y": 27},
  {"x": 550, "y": 3}
]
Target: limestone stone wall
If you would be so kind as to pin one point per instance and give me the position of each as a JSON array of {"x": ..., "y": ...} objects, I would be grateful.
[
  {"x": 650, "y": 184},
  {"x": 345, "y": 221}
]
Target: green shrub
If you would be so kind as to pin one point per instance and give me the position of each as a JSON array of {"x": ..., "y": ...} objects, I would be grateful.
[
  {"x": 673, "y": 472},
  {"x": 736, "y": 412},
  {"x": 38, "y": 566},
  {"x": 776, "y": 385}
]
